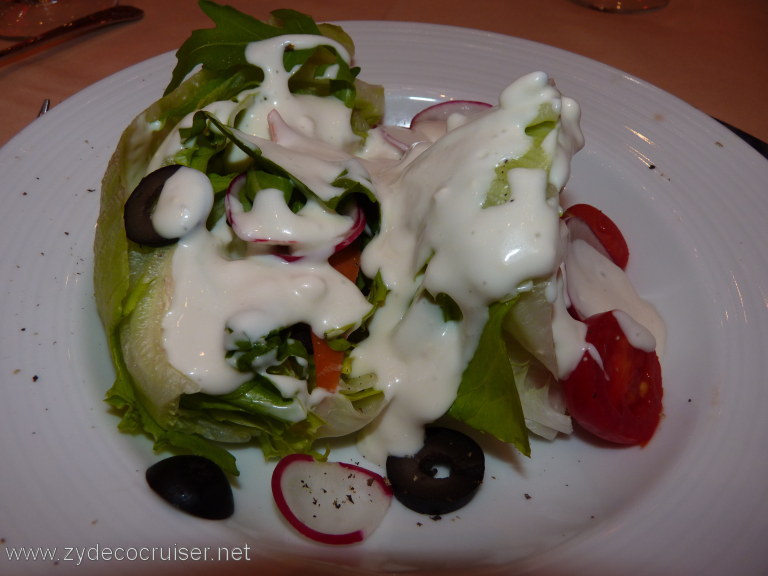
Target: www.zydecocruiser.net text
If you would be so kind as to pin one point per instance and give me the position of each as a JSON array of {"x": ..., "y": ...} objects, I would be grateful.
[{"x": 78, "y": 555}]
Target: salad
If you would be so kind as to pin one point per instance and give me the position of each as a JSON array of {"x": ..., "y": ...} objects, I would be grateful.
[{"x": 275, "y": 266}]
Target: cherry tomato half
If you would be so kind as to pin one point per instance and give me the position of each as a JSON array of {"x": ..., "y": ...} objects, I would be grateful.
[
  {"x": 603, "y": 229},
  {"x": 621, "y": 400}
]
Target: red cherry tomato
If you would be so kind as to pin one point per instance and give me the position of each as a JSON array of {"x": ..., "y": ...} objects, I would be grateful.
[
  {"x": 618, "y": 399},
  {"x": 603, "y": 229}
]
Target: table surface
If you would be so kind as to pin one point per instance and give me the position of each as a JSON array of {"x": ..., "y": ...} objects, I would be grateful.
[{"x": 711, "y": 53}]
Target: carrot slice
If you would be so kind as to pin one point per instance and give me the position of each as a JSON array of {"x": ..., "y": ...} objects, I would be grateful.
[
  {"x": 347, "y": 261},
  {"x": 329, "y": 362}
]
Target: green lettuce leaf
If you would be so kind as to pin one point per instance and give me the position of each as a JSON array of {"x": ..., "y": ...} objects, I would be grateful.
[
  {"x": 136, "y": 419},
  {"x": 255, "y": 410},
  {"x": 487, "y": 399},
  {"x": 535, "y": 156}
]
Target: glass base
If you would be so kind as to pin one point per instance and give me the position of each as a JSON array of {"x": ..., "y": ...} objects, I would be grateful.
[
  {"x": 21, "y": 19},
  {"x": 623, "y": 6}
]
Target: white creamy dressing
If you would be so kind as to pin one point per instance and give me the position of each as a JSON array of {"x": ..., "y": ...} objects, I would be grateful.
[
  {"x": 173, "y": 144},
  {"x": 323, "y": 118},
  {"x": 251, "y": 296},
  {"x": 596, "y": 284},
  {"x": 435, "y": 236},
  {"x": 185, "y": 202},
  {"x": 271, "y": 220},
  {"x": 314, "y": 117},
  {"x": 568, "y": 334},
  {"x": 313, "y": 230},
  {"x": 214, "y": 291},
  {"x": 432, "y": 210}
]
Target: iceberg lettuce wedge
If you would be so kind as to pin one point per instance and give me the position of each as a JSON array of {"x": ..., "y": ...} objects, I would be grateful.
[{"x": 131, "y": 281}]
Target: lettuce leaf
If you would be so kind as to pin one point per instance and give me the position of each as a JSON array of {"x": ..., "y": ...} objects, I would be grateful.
[
  {"x": 136, "y": 419},
  {"x": 251, "y": 412},
  {"x": 487, "y": 399},
  {"x": 535, "y": 156},
  {"x": 509, "y": 387}
]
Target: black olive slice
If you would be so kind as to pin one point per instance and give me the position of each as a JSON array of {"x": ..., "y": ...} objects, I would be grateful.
[
  {"x": 193, "y": 484},
  {"x": 137, "y": 212},
  {"x": 417, "y": 482}
]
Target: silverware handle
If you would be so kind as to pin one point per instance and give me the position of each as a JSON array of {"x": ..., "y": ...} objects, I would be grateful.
[{"x": 107, "y": 17}]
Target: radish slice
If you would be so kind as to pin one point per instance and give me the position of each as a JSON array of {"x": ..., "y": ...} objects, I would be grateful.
[
  {"x": 432, "y": 120},
  {"x": 442, "y": 111},
  {"x": 230, "y": 199},
  {"x": 330, "y": 502},
  {"x": 321, "y": 231},
  {"x": 358, "y": 225}
]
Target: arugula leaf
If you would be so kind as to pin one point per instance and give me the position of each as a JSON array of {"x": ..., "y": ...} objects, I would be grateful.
[
  {"x": 293, "y": 22},
  {"x": 275, "y": 353},
  {"x": 347, "y": 186},
  {"x": 369, "y": 104},
  {"x": 258, "y": 180},
  {"x": 260, "y": 161},
  {"x": 487, "y": 399},
  {"x": 350, "y": 187},
  {"x": 377, "y": 295},
  {"x": 257, "y": 397},
  {"x": 450, "y": 308},
  {"x": 220, "y": 49}
]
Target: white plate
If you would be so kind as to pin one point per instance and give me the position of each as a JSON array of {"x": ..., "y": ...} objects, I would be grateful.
[{"x": 691, "y": 199}]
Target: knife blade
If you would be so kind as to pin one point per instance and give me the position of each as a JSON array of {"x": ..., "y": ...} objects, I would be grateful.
[{"x": 108, "y": 17}]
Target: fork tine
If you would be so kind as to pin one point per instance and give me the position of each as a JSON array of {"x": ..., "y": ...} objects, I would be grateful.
[{"x": 45, "y": 106}]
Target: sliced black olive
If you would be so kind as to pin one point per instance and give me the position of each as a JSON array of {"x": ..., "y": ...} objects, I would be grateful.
[
  {"x": 193, "y": 484},
  {"x": 137, "y": 212},
  {"x": 417, "y": 481}
]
